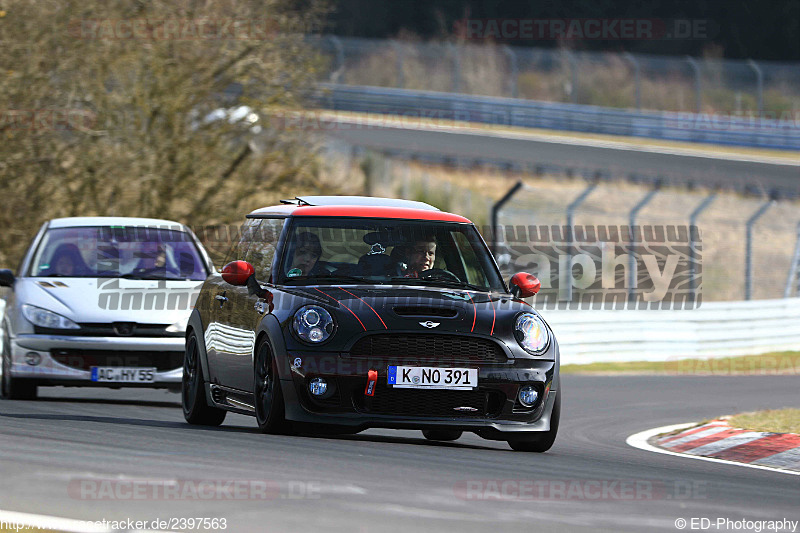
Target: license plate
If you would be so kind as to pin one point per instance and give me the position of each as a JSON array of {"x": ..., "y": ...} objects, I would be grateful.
[
  {"x": 426, "y": 377},
  {"x": 119, "y": 374}
]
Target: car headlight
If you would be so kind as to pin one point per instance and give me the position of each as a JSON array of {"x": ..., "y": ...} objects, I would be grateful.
[
  {"x": 531, "y": 333},
  {"x": 313, "y": 324},
  {"x": 47, "y": 319}
]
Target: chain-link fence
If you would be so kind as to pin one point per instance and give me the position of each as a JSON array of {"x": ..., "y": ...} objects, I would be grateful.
[{"x": 621, "y": 80}]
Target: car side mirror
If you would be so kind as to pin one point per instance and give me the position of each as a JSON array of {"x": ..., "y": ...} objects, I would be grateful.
[
  {"x": 6, "y": 278},
  {"x": 237, "y": 272},
  {"x": 524, "y": 285}
]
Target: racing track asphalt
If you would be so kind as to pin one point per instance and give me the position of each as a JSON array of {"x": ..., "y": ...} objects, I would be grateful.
[
  {"x": 384, "y": 480},
  {"x": 674, "y": 167}
]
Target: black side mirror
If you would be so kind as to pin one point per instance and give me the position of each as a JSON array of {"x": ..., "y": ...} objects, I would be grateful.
[{"x": 6, "y": 278}]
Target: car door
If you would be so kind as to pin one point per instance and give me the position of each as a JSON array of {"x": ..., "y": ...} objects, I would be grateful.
[
  {"x": 247, "y": 310},
  {"x": 222, "y": 340}
]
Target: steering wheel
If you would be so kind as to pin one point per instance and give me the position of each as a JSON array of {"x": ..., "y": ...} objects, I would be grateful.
[{"x": 439, "y": 273}]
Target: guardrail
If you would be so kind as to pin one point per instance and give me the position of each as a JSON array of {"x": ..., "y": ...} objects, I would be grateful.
[
  {"x": 688, "y": 127},
  {"x": 716, "y": 329}
]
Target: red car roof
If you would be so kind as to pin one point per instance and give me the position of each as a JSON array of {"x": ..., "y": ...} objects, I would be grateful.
[{"x": 358, "y": 211}]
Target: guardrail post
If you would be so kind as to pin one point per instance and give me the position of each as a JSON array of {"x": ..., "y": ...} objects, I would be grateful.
[
  {"x": 632, "y": 273},
  {"x": 697, "y": 87},
  {"x": 337, "y": 44},
  {"x": 791, "y": 279},
  {"x": 759, "y": 85},
  {"x": 398, "y": 53},
  {"x": 636, "y": 77},
  {"x": 514, "y": 78},
  {"x": 496, "y": 212},
  {"x": 692, "y": 244},
  {"x": 748, "y": 253},
  {"x": 570, "y": 227}
]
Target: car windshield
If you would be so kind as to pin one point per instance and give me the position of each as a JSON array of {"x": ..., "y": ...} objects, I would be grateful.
[
  {"x": 385, "y": 251},
  {"x": 118, "y": 251}
]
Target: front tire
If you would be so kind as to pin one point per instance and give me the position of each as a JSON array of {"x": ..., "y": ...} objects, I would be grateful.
[
  {"x": 267, "y": 393},
  {"x": 193, "y": 395},
  {"x": 540, "y": 441},
  {"x": 11, "y": 388}
]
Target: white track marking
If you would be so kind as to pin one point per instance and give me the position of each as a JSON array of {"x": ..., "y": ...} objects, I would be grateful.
[
  {"x": 695, "y": 436},
  {"x": 724, "y": 444},
  {"x": 639, "y": 440}
]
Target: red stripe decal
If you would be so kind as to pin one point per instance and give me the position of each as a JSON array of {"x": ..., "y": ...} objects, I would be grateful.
[
  {"x": 494, "y": 314},
  {"x": 365, "y": 303},
  {"x": 351, "y": 311},
  {"x": 474, "y": 312}
]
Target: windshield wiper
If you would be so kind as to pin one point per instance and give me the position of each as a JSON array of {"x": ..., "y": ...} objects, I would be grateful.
[
  {"x": 443, "y": 282},
  {"x": 331, "y": 278}
]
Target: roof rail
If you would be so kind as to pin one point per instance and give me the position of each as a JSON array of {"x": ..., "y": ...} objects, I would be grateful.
[{"x": 358, "y": 200}]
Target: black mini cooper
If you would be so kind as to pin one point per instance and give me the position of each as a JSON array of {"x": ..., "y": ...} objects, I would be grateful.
[{"x": 346, "y": 313}]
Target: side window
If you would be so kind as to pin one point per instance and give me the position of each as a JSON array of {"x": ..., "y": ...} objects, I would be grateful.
[
  {"x": 239, "y": 249},
  {"x": 263, "y": 244}
]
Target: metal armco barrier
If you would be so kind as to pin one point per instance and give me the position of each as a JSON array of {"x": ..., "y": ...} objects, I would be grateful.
[
  {"x": 716, "y": 329},
  {"x": 689, "y": 127}
]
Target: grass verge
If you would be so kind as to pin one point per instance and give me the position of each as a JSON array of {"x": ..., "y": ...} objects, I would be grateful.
[
  {"x": 775, "y": 421},
  {"x": 776, "y": 363}
]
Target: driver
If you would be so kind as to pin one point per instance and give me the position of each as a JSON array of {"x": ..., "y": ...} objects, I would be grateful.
[
  {"x": 306, "y": 256},
  {"x": 421, "y": 256}
]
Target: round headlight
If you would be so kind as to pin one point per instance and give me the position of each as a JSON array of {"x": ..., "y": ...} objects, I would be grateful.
[
  {"x": 531, "y": 333},
  {"x": 313, "y": 324}
]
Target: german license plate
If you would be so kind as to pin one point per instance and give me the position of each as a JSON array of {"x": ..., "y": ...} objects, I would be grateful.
[
  {"x": 427, "y": 377},
  {"x": 119, "y": 374}
]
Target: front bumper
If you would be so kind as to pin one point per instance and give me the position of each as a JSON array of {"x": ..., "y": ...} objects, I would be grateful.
[
  {"x": 491, "y": 410},
  {"x": 128, "y": 351}
]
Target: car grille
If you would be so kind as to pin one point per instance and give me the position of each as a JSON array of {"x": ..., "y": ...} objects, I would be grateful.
[
  {"x": 430, "y": 347},
  {"x": 85, "y": 359},
  {"x": 119, "y": 329},
  {"x": 431, "y": 403}
]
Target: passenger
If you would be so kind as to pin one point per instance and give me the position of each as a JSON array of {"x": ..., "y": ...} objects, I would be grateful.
[{"x": 307, "y": 252}]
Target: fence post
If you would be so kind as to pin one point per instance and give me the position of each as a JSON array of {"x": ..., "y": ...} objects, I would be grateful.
[
  {"x": 748, "y": 253},
  {"x": 697, "y": 87},
  {"x": 759, "y": 85},
  {"x": 337, "y": 44},
  {"x": 496, "y": 213},
  {"x": 632, "y": 273},
  {"x": 513, "y": 80},
  {"x": 637, "y": 78},
  {"x": 692, "y": 225},
  {"x": 791, "y": 279},
  {"x": 571, "y": 224},
  {"x": 398, "y": 54},
  {"x": 455, "y": 49}
]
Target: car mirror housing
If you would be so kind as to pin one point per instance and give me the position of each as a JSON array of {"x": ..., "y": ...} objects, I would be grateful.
[
  {"x": 238, "y": 272},
  {"x": 6, "y": 278},
  {"x": 524, "y": 285}
]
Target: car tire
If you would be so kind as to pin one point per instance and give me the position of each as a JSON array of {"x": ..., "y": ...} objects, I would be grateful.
[
  {"x": 267, "y": 394},
  {"x": 11, "y": 388},
  {"x": 442, "y": 434},
  {"x": 193, "y": 395},
  {"x": 540, "y": 441}
]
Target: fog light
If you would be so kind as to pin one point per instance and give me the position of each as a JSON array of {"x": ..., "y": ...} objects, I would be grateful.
[
  {"x": 317, "y": 386},
  {"x": 33, "y": 358},
  {"x": 528, "y": 395}
]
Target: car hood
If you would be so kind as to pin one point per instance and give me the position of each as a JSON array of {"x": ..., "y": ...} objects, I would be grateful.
[
  {"x": 105, "y": 300},
  {"x": 376, "y": 309}
]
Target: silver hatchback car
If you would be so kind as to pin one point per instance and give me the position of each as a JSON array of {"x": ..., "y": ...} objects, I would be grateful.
[{"x": 100, "y": 301}]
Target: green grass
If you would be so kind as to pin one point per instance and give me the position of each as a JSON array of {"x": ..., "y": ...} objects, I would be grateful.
[
  {"x": 768, "y": 364},
  {"x": 775, "y": 421}
]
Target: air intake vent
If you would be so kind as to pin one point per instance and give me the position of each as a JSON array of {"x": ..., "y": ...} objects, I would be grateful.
[
  {"x": 419, "y": 311},
  {"x": 218, "y": 395},
  {"x": 428, "y": 347}
]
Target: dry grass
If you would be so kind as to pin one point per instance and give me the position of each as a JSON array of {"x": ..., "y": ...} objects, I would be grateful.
[
  {"x": 778, "y": 363},
  {"x": 775, "y": 421}
]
